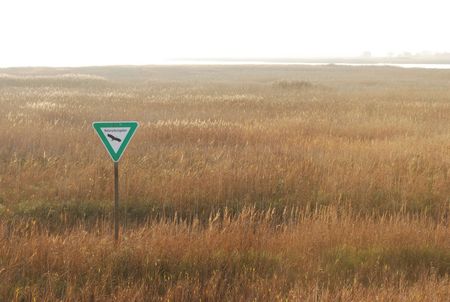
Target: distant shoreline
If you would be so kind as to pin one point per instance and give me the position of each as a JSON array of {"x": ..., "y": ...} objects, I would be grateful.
[
  {"x": 253, "y": 62},
  {"x": 313, "y": 63},
  {"x": 438, "y": 59}
]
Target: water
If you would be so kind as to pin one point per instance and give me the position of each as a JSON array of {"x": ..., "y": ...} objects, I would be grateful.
[{"x": 226, "y": 62}]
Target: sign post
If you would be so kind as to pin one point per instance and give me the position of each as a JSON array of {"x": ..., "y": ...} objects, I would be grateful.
[
  {"x": 115, "y": 136},
  {"x": 116, "y": 201}
]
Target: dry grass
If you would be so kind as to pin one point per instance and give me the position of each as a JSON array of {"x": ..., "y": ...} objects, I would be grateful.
[{"x": 242, "y": 183}]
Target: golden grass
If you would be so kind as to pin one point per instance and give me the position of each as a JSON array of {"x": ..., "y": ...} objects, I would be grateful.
[
  {"x": 324, "y": 255},
  {"x": 242, "y": 183}
]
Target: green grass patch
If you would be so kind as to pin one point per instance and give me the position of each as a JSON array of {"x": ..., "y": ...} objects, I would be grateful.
[{"x": 370, "y": 265}]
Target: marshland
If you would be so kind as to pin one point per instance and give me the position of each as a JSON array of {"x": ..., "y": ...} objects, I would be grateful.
[{"x": 242, "y": 183}]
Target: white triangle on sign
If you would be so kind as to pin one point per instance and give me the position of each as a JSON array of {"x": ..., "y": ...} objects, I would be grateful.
[{"x": 115, "y": 136}]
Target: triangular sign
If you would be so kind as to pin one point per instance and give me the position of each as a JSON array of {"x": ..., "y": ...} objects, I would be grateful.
[{"x": 115, "y": 136}]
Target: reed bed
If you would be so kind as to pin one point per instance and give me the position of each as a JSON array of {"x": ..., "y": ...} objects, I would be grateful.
[{"x": 242, "y": 183}]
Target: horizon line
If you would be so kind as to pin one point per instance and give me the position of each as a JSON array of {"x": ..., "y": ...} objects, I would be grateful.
[{"x": 439, "y": 58}]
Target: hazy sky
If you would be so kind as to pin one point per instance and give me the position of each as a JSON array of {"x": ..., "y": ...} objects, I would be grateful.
[{"x": 99, "y": 32}]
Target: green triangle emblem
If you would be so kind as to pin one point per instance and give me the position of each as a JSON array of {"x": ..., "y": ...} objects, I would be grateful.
[{"x": 115, "y": 136}]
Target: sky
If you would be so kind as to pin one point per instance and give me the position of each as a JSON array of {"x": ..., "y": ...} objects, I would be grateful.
[{"x": 109, "y": 32}]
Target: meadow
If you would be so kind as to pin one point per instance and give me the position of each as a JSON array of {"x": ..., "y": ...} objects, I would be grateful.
[{"x": 242, "y": 183}]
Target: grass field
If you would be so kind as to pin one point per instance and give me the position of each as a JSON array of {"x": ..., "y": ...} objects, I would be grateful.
[{"x": 243, "y": 183}]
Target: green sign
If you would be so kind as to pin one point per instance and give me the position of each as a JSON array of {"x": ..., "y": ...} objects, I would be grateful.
[{"x": 115, "y": 136}]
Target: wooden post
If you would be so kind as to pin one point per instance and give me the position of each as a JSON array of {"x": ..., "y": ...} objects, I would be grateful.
[{"x": 116, "y": 201}]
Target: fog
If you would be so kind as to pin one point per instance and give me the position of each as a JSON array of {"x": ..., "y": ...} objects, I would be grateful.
[{"x": 80, "y": 33}]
